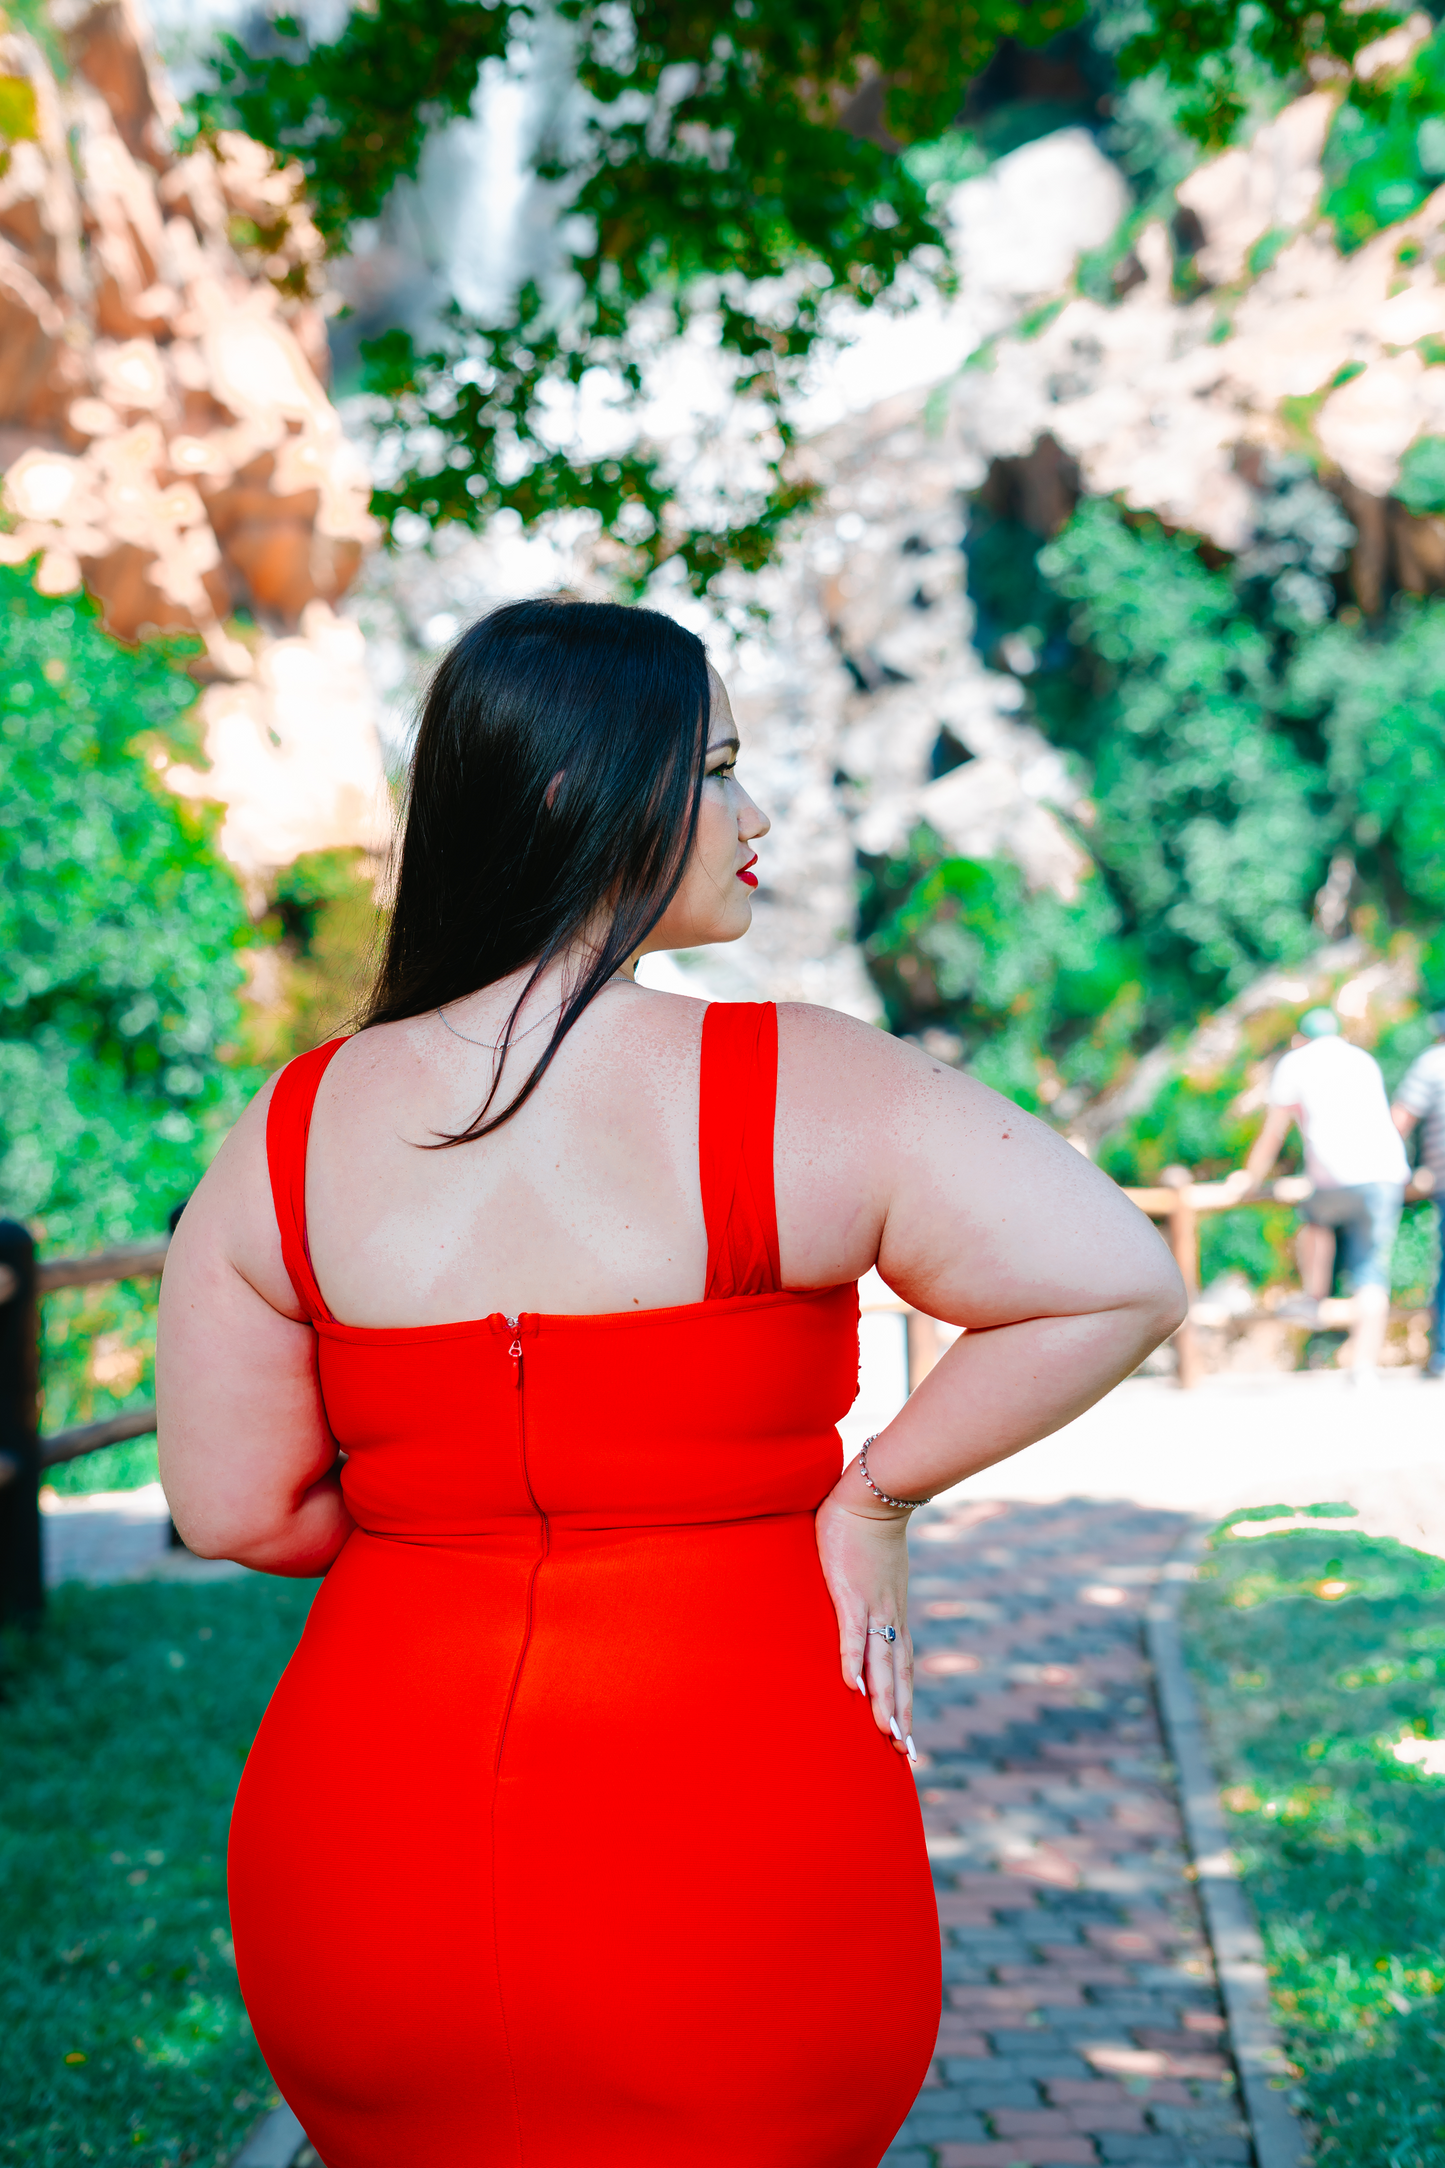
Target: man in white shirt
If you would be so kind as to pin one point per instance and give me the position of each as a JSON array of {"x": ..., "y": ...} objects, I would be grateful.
[
  {"x": 1356, "y": 1161},
  {"x": 1421, "y": 1098}
]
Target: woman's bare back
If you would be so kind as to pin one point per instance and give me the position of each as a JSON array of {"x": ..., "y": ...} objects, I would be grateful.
[{"x": 588, "y": 1199}]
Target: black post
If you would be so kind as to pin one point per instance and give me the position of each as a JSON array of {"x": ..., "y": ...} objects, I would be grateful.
[{"x": 22, "y": 1585}]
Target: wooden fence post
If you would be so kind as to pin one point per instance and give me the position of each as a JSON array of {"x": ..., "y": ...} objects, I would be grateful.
[
  {"x": 22, "y": 1586},
  {"x": 1184, "y": 1242}
]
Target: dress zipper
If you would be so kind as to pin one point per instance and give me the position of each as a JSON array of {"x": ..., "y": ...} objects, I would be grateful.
[{"x": 514, "y": 1324}]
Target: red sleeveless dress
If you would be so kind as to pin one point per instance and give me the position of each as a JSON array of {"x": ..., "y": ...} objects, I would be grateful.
[{"x": 562, "y": 1841}]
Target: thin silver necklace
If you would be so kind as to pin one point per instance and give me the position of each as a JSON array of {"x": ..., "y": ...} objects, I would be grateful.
[{"x": 495, "y": 1046}]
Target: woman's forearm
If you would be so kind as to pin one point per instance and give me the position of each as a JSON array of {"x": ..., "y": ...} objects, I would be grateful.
[{"x": 998, "y": 1390}]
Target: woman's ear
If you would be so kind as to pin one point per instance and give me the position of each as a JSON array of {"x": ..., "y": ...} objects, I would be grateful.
[{"x": 553, "y": 787}]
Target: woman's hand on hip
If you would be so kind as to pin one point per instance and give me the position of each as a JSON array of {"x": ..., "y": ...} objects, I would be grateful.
[{"x": 864, "y": 1550}]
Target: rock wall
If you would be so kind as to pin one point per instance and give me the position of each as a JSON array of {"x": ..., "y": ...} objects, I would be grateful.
[
  {"x": 1165, "y": 400},
  {"x": 164, "y": 428}
]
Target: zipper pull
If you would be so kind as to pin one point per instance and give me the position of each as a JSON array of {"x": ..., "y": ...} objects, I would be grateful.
[{"x": 515, "y": 1351}]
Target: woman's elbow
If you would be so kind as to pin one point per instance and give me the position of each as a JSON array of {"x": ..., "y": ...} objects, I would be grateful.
[
  {"x": 207, "y": 1534},
  {"x": 1161, "y": 1302},
  {"x": 292, "y": 1546},
  {"x": 217, "y": 1519}
]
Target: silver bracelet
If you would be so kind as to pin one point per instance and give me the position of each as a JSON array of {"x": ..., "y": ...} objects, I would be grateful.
[{"x": 863, "y": 1471}]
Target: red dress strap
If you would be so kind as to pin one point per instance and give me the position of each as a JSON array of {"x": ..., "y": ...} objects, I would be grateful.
[
  {"x": 737, "y": 1104},
  {"x": 288, "y": 1127}
]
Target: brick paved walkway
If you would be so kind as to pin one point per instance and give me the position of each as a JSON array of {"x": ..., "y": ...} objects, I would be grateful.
[{"x": 1081, "y": 2022}]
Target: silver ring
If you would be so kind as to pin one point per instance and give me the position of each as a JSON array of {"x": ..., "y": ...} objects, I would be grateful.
[{"x": 884, "y": 1633}]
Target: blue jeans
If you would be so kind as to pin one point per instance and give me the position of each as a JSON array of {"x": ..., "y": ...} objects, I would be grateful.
[{"x": 1365, "y": 1218}]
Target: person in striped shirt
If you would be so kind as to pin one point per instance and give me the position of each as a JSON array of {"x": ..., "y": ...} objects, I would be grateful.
[{"x": 1421, "y": 1099}]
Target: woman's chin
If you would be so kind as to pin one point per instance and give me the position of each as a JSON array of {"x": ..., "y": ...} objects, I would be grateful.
[
  {"x": 731, "y": 929},
  {"x": 729, "y": 924}
]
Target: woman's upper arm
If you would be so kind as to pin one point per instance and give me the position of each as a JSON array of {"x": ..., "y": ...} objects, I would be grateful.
[
  {"x": 976, "y": 1212},
  {"x": 242, "y": 1430}
]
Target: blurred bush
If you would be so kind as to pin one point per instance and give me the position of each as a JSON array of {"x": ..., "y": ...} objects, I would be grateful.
[
  {"x": 123, "y": 931},
  {"x": 1386, "y": 148},
  {"x": 320, "y": 931}
]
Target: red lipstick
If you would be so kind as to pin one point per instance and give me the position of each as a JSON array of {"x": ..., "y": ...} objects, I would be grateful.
[{"x": 745, "y": 875}]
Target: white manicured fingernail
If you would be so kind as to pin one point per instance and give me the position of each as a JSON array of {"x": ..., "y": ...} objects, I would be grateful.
[
  {"x": 893, "y": 1727},
  {"x": 912, "y": 1749},
  {"x": 862, "y": 1689}
]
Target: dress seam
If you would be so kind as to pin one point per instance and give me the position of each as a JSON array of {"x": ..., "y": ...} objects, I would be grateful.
[
  {"x": 709, "y": 1311},
  {"x": 501, "y": 1992},
  {"x": 432, "y": 1539}
]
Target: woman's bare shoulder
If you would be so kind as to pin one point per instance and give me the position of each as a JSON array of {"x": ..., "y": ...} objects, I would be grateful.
[
  {"x": 809, "y": 1033},
  {"x": 834, "y": 1060},
  {"x": 907, "y": 1125}
]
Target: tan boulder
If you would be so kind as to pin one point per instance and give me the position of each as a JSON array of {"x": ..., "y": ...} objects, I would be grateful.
[
  {"x": 164, "y": 427},
  {"x": 192, "y": 463}
]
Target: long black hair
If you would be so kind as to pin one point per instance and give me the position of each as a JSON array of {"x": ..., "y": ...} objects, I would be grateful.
[{"x": 556, "y": 778}]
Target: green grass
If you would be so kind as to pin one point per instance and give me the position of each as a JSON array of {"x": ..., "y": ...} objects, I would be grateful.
[
  {"x": 1316, "y": 1652},
  {"x": 123, "y": 1728}
]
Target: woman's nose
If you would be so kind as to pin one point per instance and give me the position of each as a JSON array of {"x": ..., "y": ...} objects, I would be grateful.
[{"x": 752, "y": 820}]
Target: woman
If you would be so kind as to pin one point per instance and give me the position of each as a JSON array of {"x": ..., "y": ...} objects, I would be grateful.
[{"x": 581, "y": 1826}]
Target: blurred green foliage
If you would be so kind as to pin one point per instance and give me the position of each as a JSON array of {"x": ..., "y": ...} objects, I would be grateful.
[
  {"x": 122, "y": 929},
  {"x": 323, "y": 925},
  {"x": 1316, "y": 1653},
  {"x": 123, "y": 1729},
  {"x": 1376, "y": 698},
  {"x": 1212, "y": 820},
  {"x": 1421, "y": 484},
  {"x": 1386, "y": 148},
  {"x": 1190, "y": 1122},
  {"x": 1034, "y": 987},
  {"x": 1416, "y": 1259},
  {"x": 1257, "y": 1243}
]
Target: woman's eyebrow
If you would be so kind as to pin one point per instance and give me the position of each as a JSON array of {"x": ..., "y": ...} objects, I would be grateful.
[{"x": 718, "y": 744}]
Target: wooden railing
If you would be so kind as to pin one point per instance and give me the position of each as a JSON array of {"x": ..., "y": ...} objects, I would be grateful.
[
  {"x": 132, "y": 1261},
  {"x": 135, "y": 1261},
  {"x": 1178, "y": 1202},
  {"x": 26, "y": 1278}
]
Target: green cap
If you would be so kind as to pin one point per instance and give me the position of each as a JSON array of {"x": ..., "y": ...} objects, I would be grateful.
[{"x": 1318, "y": 1023}]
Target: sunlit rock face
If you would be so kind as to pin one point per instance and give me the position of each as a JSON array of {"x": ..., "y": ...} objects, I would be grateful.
[
  {"x": 1168, "y": 402},
  {"x": 165, "y": 431},
  {"x": 866, "y": 709}
]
